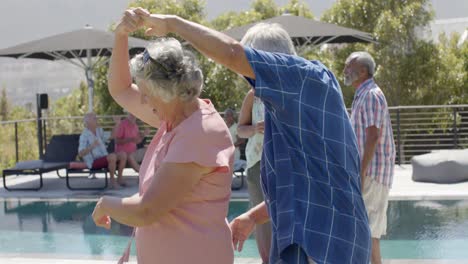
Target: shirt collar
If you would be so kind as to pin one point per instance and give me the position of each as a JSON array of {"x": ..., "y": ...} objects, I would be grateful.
[{"x": 364, "y": 86}]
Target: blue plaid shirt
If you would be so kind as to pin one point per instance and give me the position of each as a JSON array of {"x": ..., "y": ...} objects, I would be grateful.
[{"x": 310, "y": 164}]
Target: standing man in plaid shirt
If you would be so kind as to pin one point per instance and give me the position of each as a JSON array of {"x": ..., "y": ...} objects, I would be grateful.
[{"x": 373, "y": 128}]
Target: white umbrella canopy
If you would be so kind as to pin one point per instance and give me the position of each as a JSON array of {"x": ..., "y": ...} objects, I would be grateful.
[
  {"x": 308, "y": 32},
  {"x": 73, "y": 47}
]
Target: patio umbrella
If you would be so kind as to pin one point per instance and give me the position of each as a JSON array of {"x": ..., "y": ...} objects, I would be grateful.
[
  {"x": 84, "y": 48},
  {"x": 307, "y": 32}
]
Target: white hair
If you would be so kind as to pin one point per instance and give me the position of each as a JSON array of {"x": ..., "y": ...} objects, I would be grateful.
[
  {"x": 270, "y": 38},
  {"x": 87, "y": 117},
  {"x": 363, "y": 58},
  {"x": 169, "y": 70}
]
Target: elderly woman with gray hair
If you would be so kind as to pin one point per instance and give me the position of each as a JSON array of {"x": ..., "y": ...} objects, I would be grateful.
[
  {"x": 185, "y": 177},
  {"x": 310, "y": 162}
]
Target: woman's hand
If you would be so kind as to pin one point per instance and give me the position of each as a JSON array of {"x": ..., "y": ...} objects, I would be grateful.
[
  {"x": 157, "y": 24},
  {"x": 101, "y": 219},
  {"x": 241, "y": 228},
  {"x": 130, "y": 22},
  {"x": 260, "y": 127}
]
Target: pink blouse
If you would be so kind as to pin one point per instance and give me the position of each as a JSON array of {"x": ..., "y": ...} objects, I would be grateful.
[{"x": 196, "y": 231}]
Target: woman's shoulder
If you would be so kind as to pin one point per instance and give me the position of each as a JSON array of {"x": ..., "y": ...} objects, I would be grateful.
[{"x": 206, "y": 124}]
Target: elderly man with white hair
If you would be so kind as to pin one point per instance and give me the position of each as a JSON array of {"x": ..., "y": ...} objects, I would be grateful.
[
  {"x": 92, "y": 150},
  {"x": 372, "y": 125},
  {"x": 310, "y": 163}
]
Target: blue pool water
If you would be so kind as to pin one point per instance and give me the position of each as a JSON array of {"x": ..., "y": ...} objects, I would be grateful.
[{"x": 416, "y": 230}]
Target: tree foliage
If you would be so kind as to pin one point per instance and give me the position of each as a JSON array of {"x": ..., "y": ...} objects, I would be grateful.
[
  {"x": 297, "y": 8},
  {"x": 222, "y": 87},
  {"x": 26, "y": 135},
  {"x": 225, "y": 87},
  {"x": 4, "y": 105},
  {"x": 411, "y": 70}
]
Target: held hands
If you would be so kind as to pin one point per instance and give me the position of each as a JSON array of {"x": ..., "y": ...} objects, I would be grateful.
[
  {"x": 101, "y": 219},
  {"x": 129, "y": 23},
  {"x": 241, "y": 228},
  {"x": 137, "y": 18}
]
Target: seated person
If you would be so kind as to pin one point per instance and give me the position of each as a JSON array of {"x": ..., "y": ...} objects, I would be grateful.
[
  {"x": 127, "y": 136},
  {"x": 94, "y": 153},
  {"x": 231, "y": 122}
]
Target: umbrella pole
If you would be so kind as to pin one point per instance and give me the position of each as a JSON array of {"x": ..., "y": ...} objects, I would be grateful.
[{"x": 89, "y": 78}]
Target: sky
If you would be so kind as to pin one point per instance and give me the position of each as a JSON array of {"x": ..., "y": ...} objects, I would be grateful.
[{"x": 25, "y": 20}]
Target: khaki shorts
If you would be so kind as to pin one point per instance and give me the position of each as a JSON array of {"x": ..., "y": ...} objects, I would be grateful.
[{"x": 375, "y": 197}]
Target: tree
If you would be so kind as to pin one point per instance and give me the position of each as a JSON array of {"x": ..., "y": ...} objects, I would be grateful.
[
  {"x": 4, "y": 105},
  {"x": 452, "y": 74},
  {"x": 223, "y": 86},
  {"x": 394, "y": 23},
  {"x": 297, "y": 8},
  {"x": 72, "y": 105},
  {"x": 27, "y": 140}
]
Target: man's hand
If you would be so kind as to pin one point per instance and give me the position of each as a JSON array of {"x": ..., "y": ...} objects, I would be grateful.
[{"x": 241, "y": 228}]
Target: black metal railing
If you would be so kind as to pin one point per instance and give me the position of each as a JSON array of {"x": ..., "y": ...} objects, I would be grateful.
[{"x": 417, "y": 130}]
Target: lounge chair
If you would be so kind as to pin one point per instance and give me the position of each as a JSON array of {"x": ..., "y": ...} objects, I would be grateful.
[
  {"x": 61, "y": 150},
  {"x": 56, "y": 157},
  {"x": 81, "y": 171}
]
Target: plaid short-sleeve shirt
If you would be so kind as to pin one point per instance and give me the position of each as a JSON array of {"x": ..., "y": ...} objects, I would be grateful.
[
  {"x": 370, "y": 109},
  {"x": 310, "y": 163}
]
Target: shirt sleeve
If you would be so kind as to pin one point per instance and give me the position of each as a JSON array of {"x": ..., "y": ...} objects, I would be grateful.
[
  {"x": 206, "y": 147},
  {"x": 373, "y": 110},
  {"x": 278, "y": 77}
]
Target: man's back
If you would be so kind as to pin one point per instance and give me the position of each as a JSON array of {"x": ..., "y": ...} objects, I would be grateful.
[{"x": 310, "y": 163}]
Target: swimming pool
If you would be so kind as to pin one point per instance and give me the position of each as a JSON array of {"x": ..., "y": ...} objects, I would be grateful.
[{"x": 416, "y": 230}]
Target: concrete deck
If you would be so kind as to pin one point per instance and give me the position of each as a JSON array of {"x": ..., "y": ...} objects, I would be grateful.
[{"x": 55, "y": 188}]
